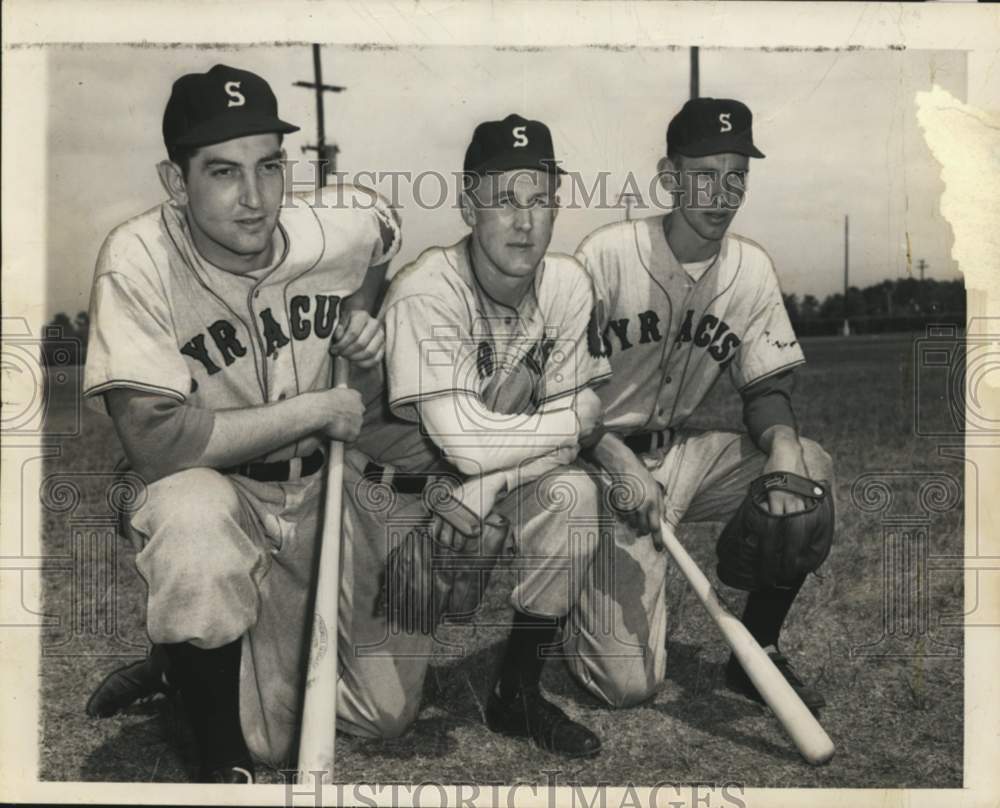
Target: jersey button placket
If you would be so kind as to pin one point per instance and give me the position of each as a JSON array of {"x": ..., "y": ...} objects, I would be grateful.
[{"x": 259, "y": 337}]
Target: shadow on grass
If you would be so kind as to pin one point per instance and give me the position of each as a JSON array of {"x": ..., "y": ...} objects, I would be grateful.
[
  {"x": 707, "y": 706},
  {"x": 159, "y": 749},
  {"x": 162, "y": 748}
]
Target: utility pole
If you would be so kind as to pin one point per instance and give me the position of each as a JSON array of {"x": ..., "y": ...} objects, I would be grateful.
[
  {"x": 327, "y": 162},
  {"x": 847, "y": 323},
  {"x": 694, "y": 72}
]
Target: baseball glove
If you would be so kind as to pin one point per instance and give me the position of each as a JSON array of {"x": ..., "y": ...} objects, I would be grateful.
[
  {"x": 427, "y": 579},
  {"x": 758, "y": 550}
]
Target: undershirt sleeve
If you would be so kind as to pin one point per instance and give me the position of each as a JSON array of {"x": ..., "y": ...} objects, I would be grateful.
[
  {"x": 768, "y": 403},
  {"x": 160, "y": 435}
]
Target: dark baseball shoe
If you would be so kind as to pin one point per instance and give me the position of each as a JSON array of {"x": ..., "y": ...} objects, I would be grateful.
[
  {"x": 238, "y": 774},
  {"x": 531, "y": 715},
  {"x": 132, "y": 684},
  {"x": 737, "y": 680}
]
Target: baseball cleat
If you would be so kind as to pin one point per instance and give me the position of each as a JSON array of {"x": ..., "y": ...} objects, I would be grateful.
[
  {"x": 738, "y": 681},
  {"x": 131, "y": 684},
  {"x": 531, "y": 715}
]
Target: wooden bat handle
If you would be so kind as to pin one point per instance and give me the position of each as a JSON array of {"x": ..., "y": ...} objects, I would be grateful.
[
  {"x": 801, "y": 725},
  {"x": 341, "y": 374},
  {"x": 317, "y": 751}
]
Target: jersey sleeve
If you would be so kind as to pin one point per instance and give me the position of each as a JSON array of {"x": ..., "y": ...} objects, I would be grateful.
[
  {"x": 575, "y": 359},
  {"x": 390, "y": 234},
  {"x": 429, "y": 353},
  {"x": 769, "y": 344},
  {"x": 132, "y": 343},
  {"x": 358, "y": 228}
]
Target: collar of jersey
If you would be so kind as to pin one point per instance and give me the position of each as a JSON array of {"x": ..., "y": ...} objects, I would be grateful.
[
  {"x": 262, "y": 274},
  {"x": 460, "y": 256},
  {"x": 658, "y": 245}
]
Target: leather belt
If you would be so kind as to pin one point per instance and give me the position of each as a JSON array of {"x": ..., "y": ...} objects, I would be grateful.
[
  {"x": 402, "y": 482},
  {"x": 280, "y": 471},
  {"x": 642, "y": 442}
]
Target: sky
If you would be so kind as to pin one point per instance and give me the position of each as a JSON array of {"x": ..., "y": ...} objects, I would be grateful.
[{"x": 838, "y": 127}]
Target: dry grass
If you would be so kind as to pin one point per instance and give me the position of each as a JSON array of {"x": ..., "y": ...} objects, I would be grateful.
[{"x": 896, "y": 721}]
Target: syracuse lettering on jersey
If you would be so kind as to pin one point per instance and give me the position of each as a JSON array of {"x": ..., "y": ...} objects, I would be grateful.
[
  {"x": 710, "y": 332},
  {"x": 316, "y": 316},
  {"x": 534, "y": 358}
]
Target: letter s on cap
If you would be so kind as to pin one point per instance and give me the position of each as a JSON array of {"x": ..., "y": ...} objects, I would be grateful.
[{"x": 236, "y": 98}]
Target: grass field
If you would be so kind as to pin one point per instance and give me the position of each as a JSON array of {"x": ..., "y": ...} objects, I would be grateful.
[{"x": 896, "y": 721}]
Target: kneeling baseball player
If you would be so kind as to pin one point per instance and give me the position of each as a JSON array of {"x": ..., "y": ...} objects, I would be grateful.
[
  {"x": 681, "y": 301},
  {"x": 487, "y": 363},
  {"x": 212, "y": 320}
]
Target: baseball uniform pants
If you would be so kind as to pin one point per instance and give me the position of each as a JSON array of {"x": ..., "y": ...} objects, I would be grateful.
[
  {"x": 554, "y": 521},
  {"x": 225, "y": 556},
  {"x": 616, "y": 636}
]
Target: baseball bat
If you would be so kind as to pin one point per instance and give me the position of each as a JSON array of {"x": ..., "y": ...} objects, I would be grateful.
[
  {"x": 319, "y": 707},
  {"x": 801, "y": 725}
]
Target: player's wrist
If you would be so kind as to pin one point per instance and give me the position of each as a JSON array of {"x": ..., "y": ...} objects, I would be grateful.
[
  {"x": 780, "y": 439},
  {"x": 786, "y": 445},
  {"x": 611, "y": 454},
  {"x": 785, "y": 455},
  {"x": 312, "y": 409}
]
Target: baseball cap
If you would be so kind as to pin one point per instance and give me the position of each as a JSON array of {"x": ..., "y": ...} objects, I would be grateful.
[
  {"x": 712, "y": 126},
  {"x": 514, "y": 142},
  {"x": 222, "y": 104}
]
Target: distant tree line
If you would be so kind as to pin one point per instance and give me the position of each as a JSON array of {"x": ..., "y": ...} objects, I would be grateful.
[{"x": 903, "y": 304}]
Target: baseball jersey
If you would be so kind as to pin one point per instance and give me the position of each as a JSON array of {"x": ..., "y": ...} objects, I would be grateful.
[
  {"x": 445, "y": 336},
  {"x": 166, "y": 321},
  {"x": 669, "y": 337}
]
